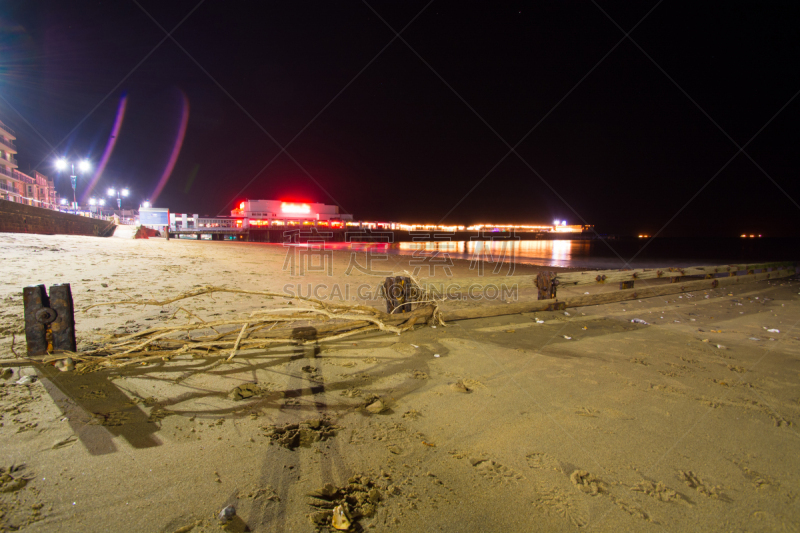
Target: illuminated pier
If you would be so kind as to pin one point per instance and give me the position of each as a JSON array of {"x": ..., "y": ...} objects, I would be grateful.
[{"x": 267, "y": 220}]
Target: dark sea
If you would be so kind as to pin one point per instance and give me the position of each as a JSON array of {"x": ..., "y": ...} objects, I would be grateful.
[{"x": 602, "y": 254}]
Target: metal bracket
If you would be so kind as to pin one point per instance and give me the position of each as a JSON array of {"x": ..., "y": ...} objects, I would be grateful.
[
  {"x": 557, "y": 306},
  {"x": 49, "y": 321},
  {"x": 626, "y": 284}
]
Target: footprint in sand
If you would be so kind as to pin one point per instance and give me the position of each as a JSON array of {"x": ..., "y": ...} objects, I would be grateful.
[
  {"x": 554, "y": 493},
  {"x": 694, "y": 481},
  {"x": 659, "y": 491},
  {"x": 494, "y": 471}
]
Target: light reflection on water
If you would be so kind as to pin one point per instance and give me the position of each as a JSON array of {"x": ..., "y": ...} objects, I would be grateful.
[
  {"x": 550, "y": 253},
  {"x": 545, "y": 252},
  {"x": 661, "y": 253}
]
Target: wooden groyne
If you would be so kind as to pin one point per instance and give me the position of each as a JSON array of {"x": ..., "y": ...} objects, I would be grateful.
[
  {"x": 409, "y": 303},
  {"x": 651, "y": 283}
]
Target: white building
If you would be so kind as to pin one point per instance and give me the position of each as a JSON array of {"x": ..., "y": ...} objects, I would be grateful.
[{"x": 277, "y": 210}]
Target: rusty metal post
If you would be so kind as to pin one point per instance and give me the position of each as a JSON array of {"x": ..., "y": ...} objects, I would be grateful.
[
  {"x": 63, "y": 327},
  {"x": 49, "y": 321},
  {"x": 35, "y": 302},
  {"x": 547, "y": 284}
]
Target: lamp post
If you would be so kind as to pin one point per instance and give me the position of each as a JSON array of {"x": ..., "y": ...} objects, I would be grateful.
[
  {"x": 119, "y": 194},
  {"x": 98, "y": 202},
  {"x": 83, "y": 166}
]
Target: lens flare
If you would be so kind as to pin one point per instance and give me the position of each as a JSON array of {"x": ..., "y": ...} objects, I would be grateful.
[
  {"x": 176, "y": 150},
  {"x": 112, "y": 140}
]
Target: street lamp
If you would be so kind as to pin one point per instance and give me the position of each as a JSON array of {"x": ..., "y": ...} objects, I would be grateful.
[
  {"x": 119, "y": 193},
  {"x": 83, "y": 166},
  {"x": 98, "y": 202},
  {"x": 146, "y": 204}
]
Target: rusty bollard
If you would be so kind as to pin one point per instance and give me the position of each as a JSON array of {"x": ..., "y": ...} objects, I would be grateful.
[{"x": 49, "y": 320}]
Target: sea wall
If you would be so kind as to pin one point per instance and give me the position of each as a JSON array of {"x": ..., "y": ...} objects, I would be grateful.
[{"x": 22, "y": 218}]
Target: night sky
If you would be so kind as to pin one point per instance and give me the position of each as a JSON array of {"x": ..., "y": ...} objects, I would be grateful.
[{"x": 617, "y": 133}]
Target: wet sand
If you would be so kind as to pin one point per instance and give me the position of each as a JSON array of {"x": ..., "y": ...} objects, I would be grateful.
[{"x": 501, "y": 424}]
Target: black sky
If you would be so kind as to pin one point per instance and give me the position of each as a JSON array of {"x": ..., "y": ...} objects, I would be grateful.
[{"x": 406, "y": 140}]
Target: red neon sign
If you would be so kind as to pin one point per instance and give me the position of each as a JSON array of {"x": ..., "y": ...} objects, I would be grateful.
[{"x": 295, "y": 208}]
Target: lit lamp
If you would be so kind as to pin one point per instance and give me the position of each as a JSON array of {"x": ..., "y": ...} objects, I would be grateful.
[
  {"x": 98, "y": 202},
  {"x": 119, "y": 193},
  {"x": 146, "y": 204},
  {"x": 83, "y": 166}
]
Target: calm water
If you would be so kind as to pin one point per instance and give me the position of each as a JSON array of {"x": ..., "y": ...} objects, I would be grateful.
[{"x": 600, "y": 254}]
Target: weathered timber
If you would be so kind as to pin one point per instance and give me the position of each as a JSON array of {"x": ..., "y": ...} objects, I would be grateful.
[
  {"x": 450, "y": 286},
  {"x": 592, "y": 277},
  {"x": 589, "y": 277},
  {"x": 482, "y": 311}
]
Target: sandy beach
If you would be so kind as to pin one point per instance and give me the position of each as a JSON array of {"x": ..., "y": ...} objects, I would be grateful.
[{"x": 547, "y": 421}]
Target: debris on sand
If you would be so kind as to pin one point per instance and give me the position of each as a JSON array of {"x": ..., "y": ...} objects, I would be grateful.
[
  {"x": 244, "y": 391},
  {"x": 374, "y": 404},
  {"x": 303, "y": 434},
  {"x": 65, "y": 365},
  {"x": 376, "y": 407},
  {"x": 341, "y": 507},
  {"x": 227, "y": 513},
  {"x": 339, "y": 520}
]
